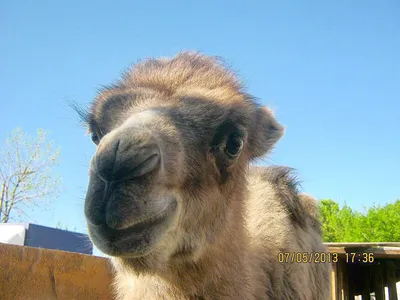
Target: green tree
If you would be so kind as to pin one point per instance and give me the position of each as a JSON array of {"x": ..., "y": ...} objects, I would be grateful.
[
  {"x": 381, "y": 223},
  {"x": 63, "y": 227},
  {"x": 26, "y": 179},
  {"x": 329, "y": 215},
  {"x": 376, "y": 224}
]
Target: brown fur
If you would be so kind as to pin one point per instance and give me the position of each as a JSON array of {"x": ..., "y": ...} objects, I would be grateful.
[{"x": 225, "y": 222}]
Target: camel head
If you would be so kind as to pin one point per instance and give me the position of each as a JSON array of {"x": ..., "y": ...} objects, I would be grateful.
[{"x": 174, "y": 139}]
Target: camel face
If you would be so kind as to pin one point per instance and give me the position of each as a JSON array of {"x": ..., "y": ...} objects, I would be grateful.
[
  {"x": 174, "y": 140},
  {"x": 173, "y": 201}
]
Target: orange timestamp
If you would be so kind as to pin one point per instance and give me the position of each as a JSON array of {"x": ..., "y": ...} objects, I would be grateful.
[
  {"x": 359, "y": 257},
  {"x": 307, "y": 257}
]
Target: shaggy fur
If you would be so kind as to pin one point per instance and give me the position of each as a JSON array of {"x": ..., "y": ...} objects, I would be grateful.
[{"x": 172, "y": 198}]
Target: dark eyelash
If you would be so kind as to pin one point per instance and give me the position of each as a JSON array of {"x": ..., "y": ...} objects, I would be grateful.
[
  {"x": 86, "y": 117},
  {"x": 84, "y": 114}
]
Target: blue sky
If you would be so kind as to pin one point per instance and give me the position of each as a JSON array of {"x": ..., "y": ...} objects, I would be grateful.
[{"x": 331, "y": 72}]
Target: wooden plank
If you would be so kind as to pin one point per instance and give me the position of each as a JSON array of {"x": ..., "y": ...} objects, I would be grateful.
[
  {"x": 379, "y": 252},
  {"x": 37, "y": 273},
  {"x": 385, "y": 252},
  {"x": 334, "y": 284},
  {"x": 350, "y": 281},
  {"x": 391, "y": 279},
  {"x": 393, "y": 251},
  {"x": 366, "y": 289},
  {"x": 343, "y": 279},
  {"x": 338, "y": 250},
  {"x": 379, "y": 287},
  {"x": 339, "y": 277},
  {"x": 367, "y": 245}
]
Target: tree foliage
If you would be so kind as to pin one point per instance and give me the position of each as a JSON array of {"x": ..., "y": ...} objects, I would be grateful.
[
  {"x": 63, "y": 227},
  {"x": 26, "y": 179},
  {"x": 377, "y": 224}
]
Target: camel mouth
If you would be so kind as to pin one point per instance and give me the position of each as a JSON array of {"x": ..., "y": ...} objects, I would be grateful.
[{"x": 136, "y": 240}]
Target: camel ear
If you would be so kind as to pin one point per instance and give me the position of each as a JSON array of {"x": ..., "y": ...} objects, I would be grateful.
[{"x": 265, "y": 132}]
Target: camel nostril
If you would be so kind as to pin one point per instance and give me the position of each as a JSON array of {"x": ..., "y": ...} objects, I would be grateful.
[
  {"x": 149, "y": 164},
  {"x": 120, "y": 159}
]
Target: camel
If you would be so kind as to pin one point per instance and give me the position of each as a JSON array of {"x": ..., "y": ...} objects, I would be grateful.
[{"x": 174, "y": 200}]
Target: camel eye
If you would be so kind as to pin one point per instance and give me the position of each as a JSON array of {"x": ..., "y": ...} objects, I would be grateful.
[
  {"x": 234, "y": 145},
  {"x": 95, "y": 138}
]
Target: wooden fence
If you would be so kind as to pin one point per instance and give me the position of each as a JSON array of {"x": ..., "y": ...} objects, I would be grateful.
[
  {"x": 36, "y": 273},
  {"x": 28, "y": 273},
  {"x": 365, "y": 269}
]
